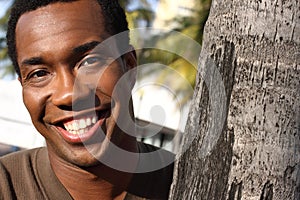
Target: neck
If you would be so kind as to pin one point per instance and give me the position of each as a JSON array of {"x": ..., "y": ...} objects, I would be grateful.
[{"x": 95, "y": 182}]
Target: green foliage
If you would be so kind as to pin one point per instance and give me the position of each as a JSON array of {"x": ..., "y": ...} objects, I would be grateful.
[
  {"x": 6, "y": 67},
  {"x": 191, "y": 26},
  {"x": 142, "y": 12}
]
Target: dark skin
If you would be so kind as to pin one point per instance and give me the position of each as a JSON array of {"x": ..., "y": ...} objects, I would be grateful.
[{"x": 54, "y": 45}]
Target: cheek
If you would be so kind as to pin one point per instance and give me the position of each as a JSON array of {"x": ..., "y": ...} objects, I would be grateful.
[
  {"x": 110, "y": 80},
  {"x": 33, "y": 103},
  {"x": 108, "y": 84}
]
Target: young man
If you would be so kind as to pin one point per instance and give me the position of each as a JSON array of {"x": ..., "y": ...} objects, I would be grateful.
[{"x": 71, "y": 86}]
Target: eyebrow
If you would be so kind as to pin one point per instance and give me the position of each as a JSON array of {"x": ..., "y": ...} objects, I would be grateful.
[
  {"x": 32, "y": 61},
  {"x": 77, "y": 50},
  {"x": 85, "y": 47}
]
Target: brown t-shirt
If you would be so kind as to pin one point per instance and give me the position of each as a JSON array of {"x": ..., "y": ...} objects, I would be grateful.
[{"x": 28, "y": 175}]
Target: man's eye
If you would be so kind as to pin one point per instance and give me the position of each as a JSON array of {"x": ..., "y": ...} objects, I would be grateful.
[
  {"x": 38, "y": 74},
  {"x": 92, "y": 60}
]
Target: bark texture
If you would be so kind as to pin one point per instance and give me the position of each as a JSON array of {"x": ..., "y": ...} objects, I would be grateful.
[{"x": 255, "y": 154}]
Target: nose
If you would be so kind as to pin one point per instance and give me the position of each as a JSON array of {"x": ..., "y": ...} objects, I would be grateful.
[{"x": 69, "y": 93}]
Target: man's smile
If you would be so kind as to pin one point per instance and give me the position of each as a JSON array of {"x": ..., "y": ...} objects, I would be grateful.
[{"x": 81, "y": 128}]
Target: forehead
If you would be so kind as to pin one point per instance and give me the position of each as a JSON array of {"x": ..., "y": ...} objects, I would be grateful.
[
  {"x": 52, "y": 14},
  {"x": 61, "y": 21}
]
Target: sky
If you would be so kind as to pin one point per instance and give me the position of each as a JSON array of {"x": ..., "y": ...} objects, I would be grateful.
[
  {"x": 4, "y": 4},
  {"x": 135, "y": 4}
]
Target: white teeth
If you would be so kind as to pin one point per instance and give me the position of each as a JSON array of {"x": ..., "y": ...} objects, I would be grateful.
[
  {"x": 75, "y": 125},
  {"x": 82, "y": 123},
  {"x": 88, "y": 121},
  {"x": 94, "y": 119},
  {"x": 81, "y": 131},
  {"x": 79, "y": 126},
  {"x": 68, "y": 126}
]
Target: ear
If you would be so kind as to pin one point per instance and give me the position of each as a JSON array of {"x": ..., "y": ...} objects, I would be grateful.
[
  {"x": 130, "y": 59},
  {"x": 130, "y": 62},
  {"x": 20, "y": 80}
]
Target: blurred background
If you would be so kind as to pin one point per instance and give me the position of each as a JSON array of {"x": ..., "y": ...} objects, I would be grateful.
[{"x": 159, "y": 109}]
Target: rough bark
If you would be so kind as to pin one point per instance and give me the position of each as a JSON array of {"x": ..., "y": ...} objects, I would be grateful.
[{"x": 255, "y": 47}]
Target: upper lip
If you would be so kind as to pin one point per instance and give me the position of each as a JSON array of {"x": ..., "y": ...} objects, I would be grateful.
[{"x": 78, "y": 115}]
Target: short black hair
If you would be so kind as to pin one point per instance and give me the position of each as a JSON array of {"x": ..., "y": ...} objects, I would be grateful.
[{"x": 113, "y": 13}]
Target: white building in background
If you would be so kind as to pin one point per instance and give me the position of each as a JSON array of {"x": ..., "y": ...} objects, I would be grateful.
[
  {"x": 16, "y": 128},
  {"x": 168, "y": 10}
]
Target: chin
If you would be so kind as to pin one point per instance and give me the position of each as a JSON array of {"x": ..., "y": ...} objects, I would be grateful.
[{"x": 90, "y": 154}]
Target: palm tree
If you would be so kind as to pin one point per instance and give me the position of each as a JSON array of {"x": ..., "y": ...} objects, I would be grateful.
[
  {"x": 142, "y": 11},
  {"x": 6, "y": 67},
  {"x": 242, "y": 138},
  {"x": 191, "y": 26}
]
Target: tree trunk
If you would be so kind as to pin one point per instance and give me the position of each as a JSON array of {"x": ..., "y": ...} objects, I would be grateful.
[{"x": 242, "y": 138}]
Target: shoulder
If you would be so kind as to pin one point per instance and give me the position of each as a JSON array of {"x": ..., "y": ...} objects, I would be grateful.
[
  {"x": 28, "y": 175},
  {"x": 154, "y": 173},
  {"x": 22, "y": 163},
  {"x": 18, "y": 174},
  {"x": 153, "y": 158},
  {"x": 13, "y": 160}
]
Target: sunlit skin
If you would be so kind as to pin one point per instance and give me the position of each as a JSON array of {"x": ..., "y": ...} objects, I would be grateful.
[{"x": 53, "y": 45}]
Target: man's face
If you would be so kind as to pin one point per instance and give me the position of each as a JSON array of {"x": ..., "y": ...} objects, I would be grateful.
[{"x": 68, "y": 86}]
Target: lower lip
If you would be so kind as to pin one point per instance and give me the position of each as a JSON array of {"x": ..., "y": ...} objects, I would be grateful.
[{"x": 80, "y": 138}]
